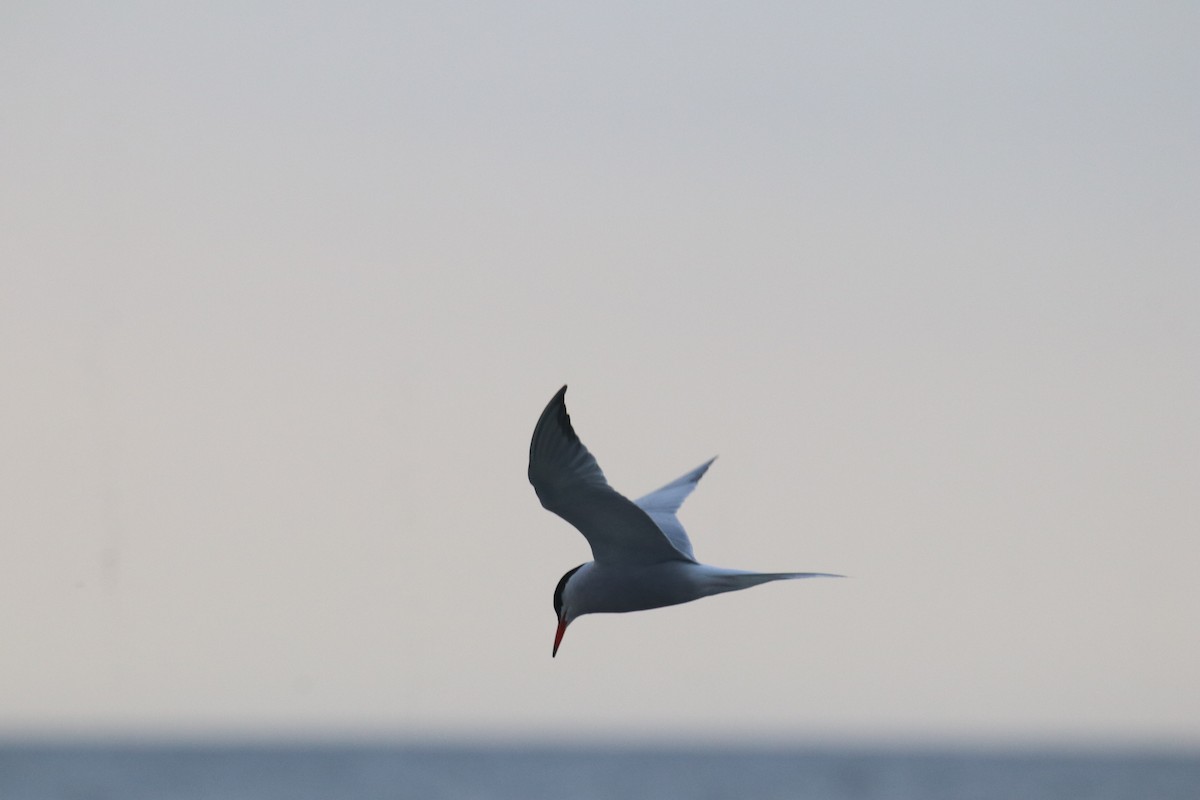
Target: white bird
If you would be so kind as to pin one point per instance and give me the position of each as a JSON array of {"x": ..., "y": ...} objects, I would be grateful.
[{"x": 642, "y": 557}]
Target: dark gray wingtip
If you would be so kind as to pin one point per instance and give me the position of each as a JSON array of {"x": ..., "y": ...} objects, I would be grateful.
[
  {"x": 558, "y": 407},
  {"x": 556, "y": 411}
]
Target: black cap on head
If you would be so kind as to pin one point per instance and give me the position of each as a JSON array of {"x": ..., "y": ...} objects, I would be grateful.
[{"x": 558, "y": 591}]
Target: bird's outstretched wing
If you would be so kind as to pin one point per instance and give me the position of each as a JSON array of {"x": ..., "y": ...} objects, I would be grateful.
[
  {"x": 569, "y": 482},
  {"x": 661, "y": 505}
]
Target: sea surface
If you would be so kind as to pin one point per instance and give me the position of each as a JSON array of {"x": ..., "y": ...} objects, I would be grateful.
[{"x": 355, "y": 772}]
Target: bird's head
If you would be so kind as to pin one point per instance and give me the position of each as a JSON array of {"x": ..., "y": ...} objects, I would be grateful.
[{"x": 562, "y": 609}]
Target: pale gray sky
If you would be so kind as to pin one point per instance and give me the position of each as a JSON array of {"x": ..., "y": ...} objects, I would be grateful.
[{"x": 284, "y": 288}]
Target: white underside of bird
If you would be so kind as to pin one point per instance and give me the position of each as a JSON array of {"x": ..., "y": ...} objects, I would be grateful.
[{"x": 642, "y": 557}]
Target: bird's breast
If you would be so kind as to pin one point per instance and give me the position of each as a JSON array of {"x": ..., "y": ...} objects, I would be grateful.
[{"x": 618, "y": 588}]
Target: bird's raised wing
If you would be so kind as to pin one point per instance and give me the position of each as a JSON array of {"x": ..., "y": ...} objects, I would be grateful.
[
  {"x": 661, "y": 505},
  {"x": 569, "y": 482}
]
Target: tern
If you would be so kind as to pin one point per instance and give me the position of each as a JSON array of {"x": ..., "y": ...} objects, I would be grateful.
[{"x": 641, "y": 555}]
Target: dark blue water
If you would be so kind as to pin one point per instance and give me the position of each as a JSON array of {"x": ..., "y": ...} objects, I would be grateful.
[{"x": 346, "y": 772}]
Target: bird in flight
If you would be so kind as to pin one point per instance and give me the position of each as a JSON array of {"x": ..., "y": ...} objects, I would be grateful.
[{"x": 641, "y": 556}]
